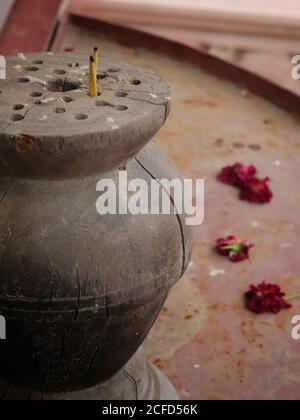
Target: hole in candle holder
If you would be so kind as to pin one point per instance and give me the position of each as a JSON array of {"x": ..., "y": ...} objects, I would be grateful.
[
  {"x": 59, "y": 110},
  {"x": 60, "y": 85},
  {"x": 36, "y": 94},
  {"x": 121, "y": 107},
  {"x": 67, "y": 99},
  {"x": 114, "y": 70},
  {"x": 17, "y": 117},
  {"x": 31, "y": 68},
  {"x": 121, "y": 94},
  {"x": 23, "y": 80},
  {"x": 38, "y": 62},
  {"x": 103, "y": 103},
  {"x": 102, "y": 76},
  {"x": 81, "y": 117},
  {"x": 135, "y": 82},
  {"x": 73, "y": 65},
  {"x": 18, "y": 107},
  {"x": 59, "y": 71}
]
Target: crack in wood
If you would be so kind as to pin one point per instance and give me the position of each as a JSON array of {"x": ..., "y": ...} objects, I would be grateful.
[
  {"x": 176, "y": 214},
  {"x": 7, "y": 190}
]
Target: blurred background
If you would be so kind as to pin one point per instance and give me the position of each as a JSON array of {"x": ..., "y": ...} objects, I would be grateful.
[{"x": 260, "y": 36}]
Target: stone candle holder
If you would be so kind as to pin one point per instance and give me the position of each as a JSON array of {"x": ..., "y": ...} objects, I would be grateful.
[{"x": 80, "y": 291}]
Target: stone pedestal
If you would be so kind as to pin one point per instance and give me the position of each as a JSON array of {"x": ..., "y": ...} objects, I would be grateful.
[{"x": 79, "y": 290}]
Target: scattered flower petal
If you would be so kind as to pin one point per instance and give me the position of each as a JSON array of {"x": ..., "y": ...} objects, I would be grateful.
[
  {"x": 237, "y": 174},
  {"x": 256, "y": 191},
  {"x": 244, "y": 177},
  {"x": 266, "y": 298},
  {"x": 233, "y": 248}
]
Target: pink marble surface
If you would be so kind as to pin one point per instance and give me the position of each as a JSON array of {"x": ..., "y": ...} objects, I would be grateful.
[
  {"x": 220, "y": 350},
  {"x": 230, "y": 352}
]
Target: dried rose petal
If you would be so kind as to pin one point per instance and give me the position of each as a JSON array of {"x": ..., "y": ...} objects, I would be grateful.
[
  {"x": 256, "y": 191},
  {"x": 233, "y": 248},
  {"x": 266, "y": 298},
  {"x": 237, "y": 174}
]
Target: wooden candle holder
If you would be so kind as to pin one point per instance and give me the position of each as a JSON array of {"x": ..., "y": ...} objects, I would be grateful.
[{"x": 80, "y": 291}]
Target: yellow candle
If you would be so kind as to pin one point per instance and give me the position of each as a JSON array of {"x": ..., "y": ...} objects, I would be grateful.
[
  {"x": 96, "y": 59},
  {"x": 93, "y": 78}
]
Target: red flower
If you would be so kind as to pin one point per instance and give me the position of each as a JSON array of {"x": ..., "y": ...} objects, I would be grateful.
[
  {"x": 234, "y": 248},
  {"x": 237, "y": 174},
  {"x": 266, "y": 298},
  {"x": 256, "y": 191},
  {"x": 243, "y": 177}
]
